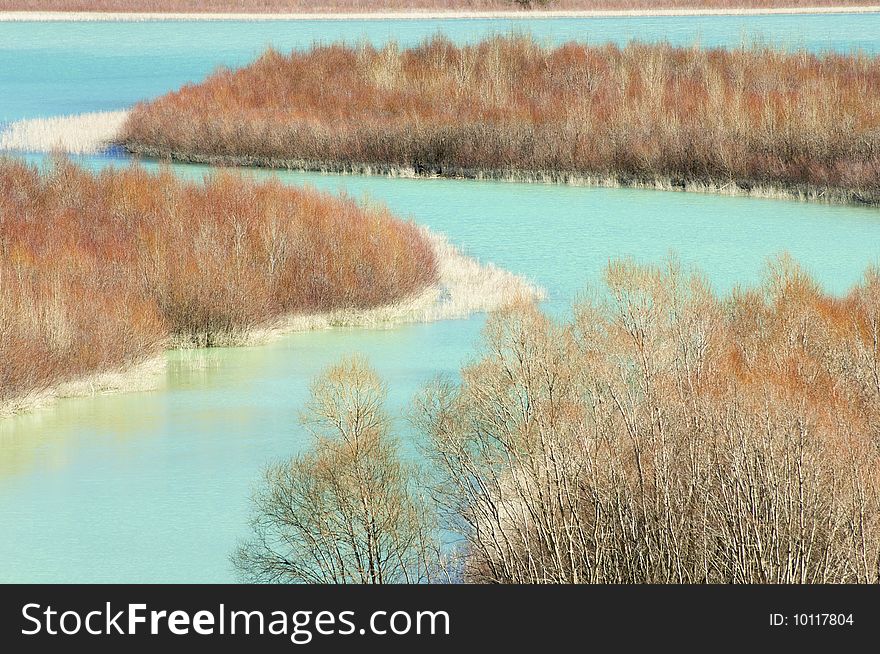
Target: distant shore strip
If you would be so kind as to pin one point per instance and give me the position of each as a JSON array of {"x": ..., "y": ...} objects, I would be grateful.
[{"x": 88, "y": 16}]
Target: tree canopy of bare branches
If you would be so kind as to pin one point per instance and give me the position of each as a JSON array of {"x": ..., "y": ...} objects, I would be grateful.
[{"x": 349, "y": 510}]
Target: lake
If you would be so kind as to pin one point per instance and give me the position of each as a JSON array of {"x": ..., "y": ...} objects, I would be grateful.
[{"x": 154, "y": 487}]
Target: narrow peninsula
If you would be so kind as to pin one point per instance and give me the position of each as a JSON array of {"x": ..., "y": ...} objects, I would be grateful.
[{"x": 102, "y": 271}]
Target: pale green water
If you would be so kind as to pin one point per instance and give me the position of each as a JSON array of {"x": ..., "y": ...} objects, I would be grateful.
[{"x": 154, "y": 486}]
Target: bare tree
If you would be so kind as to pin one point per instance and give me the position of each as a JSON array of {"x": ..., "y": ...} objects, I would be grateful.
[{"x": 349, "y": 510}]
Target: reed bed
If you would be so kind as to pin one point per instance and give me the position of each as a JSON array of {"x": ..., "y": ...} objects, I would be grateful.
[
  {"x": 87, "y": 133},
  {"x": 102, "y": 271},
  {"x": 315, "y": 6},
  {"x": 509, "y": 107},
  {"x": 665, "y": 434}
]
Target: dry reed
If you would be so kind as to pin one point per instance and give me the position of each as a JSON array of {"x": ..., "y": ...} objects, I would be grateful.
[{"x": 78, "y": 134}]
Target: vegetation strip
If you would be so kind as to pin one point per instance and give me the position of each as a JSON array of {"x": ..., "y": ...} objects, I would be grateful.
[
  {"x": 793, "y": 124},
  {"x": 99, "y": 273}
]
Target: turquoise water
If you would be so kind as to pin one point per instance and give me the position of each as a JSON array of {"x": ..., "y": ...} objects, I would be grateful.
[
  {"x": 154, "y": 486},
  {"x": 48, "y": 68}
]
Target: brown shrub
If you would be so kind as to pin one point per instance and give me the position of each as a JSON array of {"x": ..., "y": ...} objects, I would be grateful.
[
  {"x": 666, "y": 435},
  {"x": 97, "y": 270},
  {"x": 509, "y": 105}
]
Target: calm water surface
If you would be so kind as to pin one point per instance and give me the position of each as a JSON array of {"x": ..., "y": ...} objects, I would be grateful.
[
  {"x": 48, "y": 68},
  {"x": 154, "y": 486}
]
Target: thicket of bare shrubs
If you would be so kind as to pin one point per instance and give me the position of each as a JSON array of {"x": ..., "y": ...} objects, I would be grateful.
[
  {"x": 662, "y": 435},
  {"x": 99, "y": 270},
  {"x": 800, "y": 122},
  {"x": 668, "y": 436}
]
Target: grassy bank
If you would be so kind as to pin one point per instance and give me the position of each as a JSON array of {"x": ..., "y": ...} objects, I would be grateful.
[
  {"x": 99, "y": 272},
  {"x": 508, "y": 107}
]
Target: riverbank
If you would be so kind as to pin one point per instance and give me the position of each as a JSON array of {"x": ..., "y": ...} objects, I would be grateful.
[
  {"x": 464, "y": 286},
  {"x": 101, "y": 269},
  {"x": 731, "y": 187},
  {"x": 138, "y": 377},
  {"x": 423, "y": 14}
]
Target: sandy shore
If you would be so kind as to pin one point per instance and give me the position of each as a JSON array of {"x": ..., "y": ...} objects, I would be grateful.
[{"x": 20, "y": 16}]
